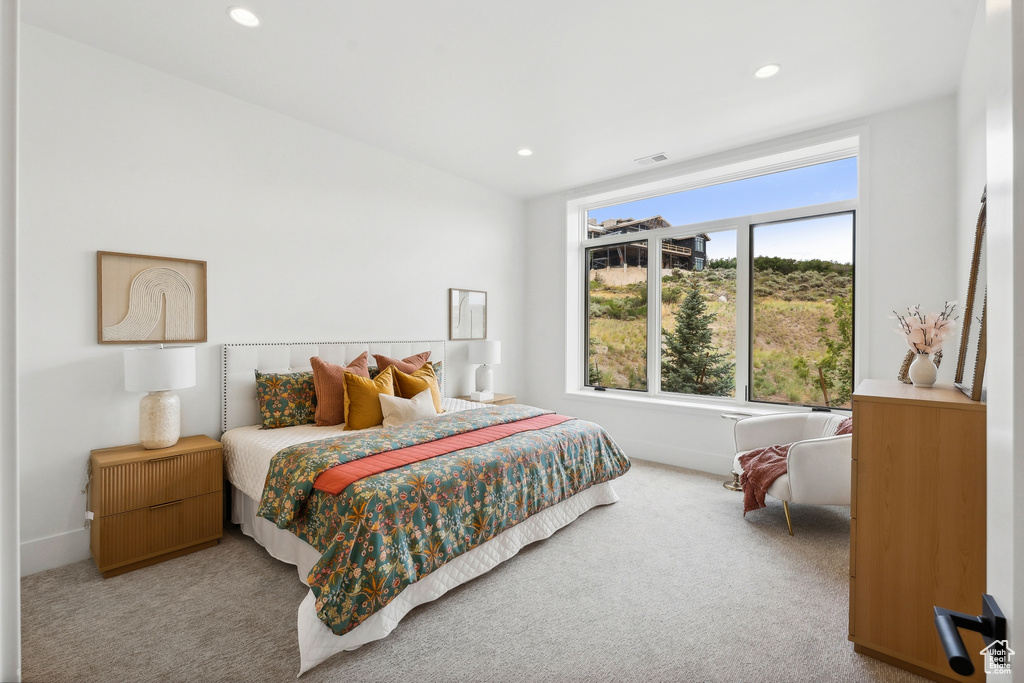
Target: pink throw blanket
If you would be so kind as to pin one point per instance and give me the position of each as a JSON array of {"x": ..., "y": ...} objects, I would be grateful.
[
  {"x": 338, "y": 478},
  {"x": 761, "y": 467}
]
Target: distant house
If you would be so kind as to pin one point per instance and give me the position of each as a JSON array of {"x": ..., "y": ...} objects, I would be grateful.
[{"x": 686, "y": 253}]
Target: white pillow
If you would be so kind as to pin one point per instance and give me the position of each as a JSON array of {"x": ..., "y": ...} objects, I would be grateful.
[{"x": 400, "y": 411}]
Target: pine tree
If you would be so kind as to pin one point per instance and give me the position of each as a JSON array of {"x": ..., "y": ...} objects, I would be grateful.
[{"x": 690, "y": 362}]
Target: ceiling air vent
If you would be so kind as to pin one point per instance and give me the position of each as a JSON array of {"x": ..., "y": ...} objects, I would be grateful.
[{"x": 652, "y": 159}]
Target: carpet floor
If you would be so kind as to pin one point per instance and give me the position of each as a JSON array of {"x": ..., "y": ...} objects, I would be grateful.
[{"x": 671, "y": 583}]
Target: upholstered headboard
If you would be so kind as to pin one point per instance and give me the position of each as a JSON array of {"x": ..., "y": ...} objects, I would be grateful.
[{"x": 240, "y": 361}]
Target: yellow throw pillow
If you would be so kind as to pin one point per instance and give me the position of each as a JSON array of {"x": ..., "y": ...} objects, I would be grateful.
[
  {"x": 362, "y": 405},
  {"x": 407, "y": 386}
]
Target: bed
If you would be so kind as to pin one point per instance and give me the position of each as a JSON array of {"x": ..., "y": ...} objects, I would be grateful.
[{"x": 399, "y": 537}]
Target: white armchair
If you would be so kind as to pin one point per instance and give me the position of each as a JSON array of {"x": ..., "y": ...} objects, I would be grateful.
[{"x": 818, "y": 464}]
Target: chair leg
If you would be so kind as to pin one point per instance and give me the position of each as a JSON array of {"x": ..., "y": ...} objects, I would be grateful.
[{"x": 789, "y": 522}]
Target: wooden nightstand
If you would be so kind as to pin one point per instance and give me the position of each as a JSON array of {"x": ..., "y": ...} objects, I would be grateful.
[
  {"x": 152, "y": 505},
  {"x": 498, "y": 400}
]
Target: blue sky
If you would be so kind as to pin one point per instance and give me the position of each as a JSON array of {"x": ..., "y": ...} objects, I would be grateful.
[{"x": 828, "y": 238}]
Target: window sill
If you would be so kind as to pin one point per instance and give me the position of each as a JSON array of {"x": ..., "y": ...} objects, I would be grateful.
[{"x": 710, "y": 407}]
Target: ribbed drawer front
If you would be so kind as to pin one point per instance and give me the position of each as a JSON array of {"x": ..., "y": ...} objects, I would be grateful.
[
  {"x": 141, "y": 484},
  {"x": 148, "y": 531}
]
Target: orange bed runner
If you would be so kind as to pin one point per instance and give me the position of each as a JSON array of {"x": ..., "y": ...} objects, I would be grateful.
[{"x": 336, "y": 479}]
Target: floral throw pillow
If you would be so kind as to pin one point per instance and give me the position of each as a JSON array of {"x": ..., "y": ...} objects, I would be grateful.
[{"x": 285, "y": 399}]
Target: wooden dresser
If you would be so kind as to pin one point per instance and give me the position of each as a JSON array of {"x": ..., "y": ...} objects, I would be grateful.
[
  {"x": 152, "y": 505},
  {"x": 917, "y": 528}
]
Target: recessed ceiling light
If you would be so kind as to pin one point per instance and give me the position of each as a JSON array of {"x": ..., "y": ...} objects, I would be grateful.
[
  {"x": 243, "y": 17},
  {"x": 525, "y": 152},
  {"x": 767, "y": 71}
]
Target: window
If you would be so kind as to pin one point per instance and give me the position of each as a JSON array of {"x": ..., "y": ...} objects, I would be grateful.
[
  {"x": 740, "y": 290},
  {"x": 617, "y": 316},
  {"x": 802, "y": 311}
]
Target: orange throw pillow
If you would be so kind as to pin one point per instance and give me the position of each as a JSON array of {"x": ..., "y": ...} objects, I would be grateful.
[
  {"x": 329, "y": 384},
  {"x": 407, "y": 386},
  {"x": 362, "y": 402},
  {"x": 407, "y": 365}
]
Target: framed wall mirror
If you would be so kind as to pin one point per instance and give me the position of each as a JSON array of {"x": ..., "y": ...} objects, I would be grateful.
[
  {"x": 467, "y": 314},
  {"x": 970, "y": 366}
]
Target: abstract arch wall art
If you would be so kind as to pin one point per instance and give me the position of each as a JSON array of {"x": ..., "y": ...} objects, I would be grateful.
[{"x": 150, "y": 299}]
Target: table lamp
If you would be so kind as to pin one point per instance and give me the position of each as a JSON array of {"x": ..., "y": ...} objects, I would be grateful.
[
  {"x": 485, "y": 354},
  {"x": 158, "y": 370}
]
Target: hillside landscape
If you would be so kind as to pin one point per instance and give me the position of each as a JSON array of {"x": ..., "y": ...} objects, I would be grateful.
[{"x": 795, "y": 322}]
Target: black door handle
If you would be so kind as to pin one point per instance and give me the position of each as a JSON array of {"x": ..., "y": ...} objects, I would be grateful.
[{"x": 991, "y": 625}]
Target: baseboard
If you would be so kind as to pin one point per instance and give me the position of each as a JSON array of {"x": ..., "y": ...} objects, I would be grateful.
[
  {"x": 54, "y": 551},
  {"x": 713, "y": 463}
]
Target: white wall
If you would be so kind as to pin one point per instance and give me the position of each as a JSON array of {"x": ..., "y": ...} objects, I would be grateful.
[
  {"x": 308, "y": 236},
  {"x": 908, "y": 220},
  {"x": 910, "y": 226},
  {"x": 10, "y": 586},
  {"x": 1003, "y": 47},
  {"x": 970, "y": 136}
]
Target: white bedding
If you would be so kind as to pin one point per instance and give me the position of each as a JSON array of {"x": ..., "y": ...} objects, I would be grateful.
[
  {"x": 248, "y": 450},
  {"x": 247, "y": 455}
]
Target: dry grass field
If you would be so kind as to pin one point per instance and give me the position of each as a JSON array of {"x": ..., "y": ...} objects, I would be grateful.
[{"x": 788, "y": 311}]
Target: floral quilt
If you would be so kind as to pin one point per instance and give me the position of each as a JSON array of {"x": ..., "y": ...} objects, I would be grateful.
[{"x": 387, "y": 531}]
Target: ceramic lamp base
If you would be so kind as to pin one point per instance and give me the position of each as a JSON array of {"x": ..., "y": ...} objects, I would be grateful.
[
  {"x": 485, "y": 379},
  {"x": 481, "y": 396},
  {"x": 159, "y": 419}
]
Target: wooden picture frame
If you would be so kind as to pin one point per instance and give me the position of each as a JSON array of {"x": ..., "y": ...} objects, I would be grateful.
[
  {"x": 149, "y": 299},
  {"x": 971, "y": 380},
  {"x": 467, "y": 314}
]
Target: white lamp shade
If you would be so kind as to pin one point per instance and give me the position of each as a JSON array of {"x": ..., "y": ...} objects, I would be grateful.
[
  {"x": 485, "y": 352},
  {"x": 159, "y": 369}
]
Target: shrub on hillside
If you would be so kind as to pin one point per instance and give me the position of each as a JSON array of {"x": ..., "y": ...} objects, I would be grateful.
[
  {"x": 625, "y": 308},
  {"x": 671, "y": 295}
]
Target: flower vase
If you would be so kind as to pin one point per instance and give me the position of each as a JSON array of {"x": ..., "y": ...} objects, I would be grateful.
[{"x": 922, "y": 370}]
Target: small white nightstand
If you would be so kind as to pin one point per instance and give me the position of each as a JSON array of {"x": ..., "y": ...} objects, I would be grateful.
[{"x": 498, "y": 400}]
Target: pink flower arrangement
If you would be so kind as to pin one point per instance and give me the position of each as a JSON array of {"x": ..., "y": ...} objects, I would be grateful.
[{"x": 924, "y": 333}]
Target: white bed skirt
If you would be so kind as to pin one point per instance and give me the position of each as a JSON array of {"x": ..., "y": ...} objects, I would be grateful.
[{"x": 316, "y": 640}]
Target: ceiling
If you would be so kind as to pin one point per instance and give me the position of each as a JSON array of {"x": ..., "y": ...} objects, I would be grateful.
[{"x": 589, "y": 86}]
